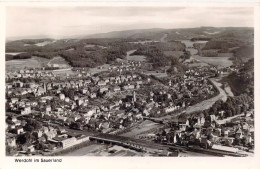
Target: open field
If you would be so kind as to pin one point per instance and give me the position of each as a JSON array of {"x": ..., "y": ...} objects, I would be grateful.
[
  {"x": 135, "y": 57},
  {"x": 225, "y": 54},
  {"x": 222, "y": 60},
  {"x": 99, "y": 69},
  {"x": 41, "y": 43},
  {"x": 62, "y": 72},
  {"x": 34, "y": 62},
  {"x": 198, "y": 64},
  {"x": 59, "y": 61},
  {"x": 145, "y": 126},
  {"x": 155, "y": 73},
  {"x": 216, "y": 61},
  {"x": 173, "y": 53}
]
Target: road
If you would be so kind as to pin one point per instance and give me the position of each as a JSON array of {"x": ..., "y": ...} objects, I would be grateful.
[
  {"x": 228, "y": 119},
  {"x": 206, "y": 104}
]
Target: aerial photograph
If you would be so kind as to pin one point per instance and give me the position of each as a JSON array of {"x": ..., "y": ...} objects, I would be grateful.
[{"x": 132, "y": 81}]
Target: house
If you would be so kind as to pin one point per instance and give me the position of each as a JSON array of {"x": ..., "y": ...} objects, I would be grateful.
[
  {"x": 14, "y": 100},
  {"x": 146, "y": 112},
  {"x": 67, "y": 99},
  {"x": 228, "y": 140},
  {"x": 84, "y": 91},
  {"x": 19, "y": 84},
  {"x": 217, "y": 132},
  {"x": 139, "y": 116},
  {"x": 116, "y": 89},
  {"x": 212, "y": 118},
  {"x": 183, "y": 127},
  {"x": 183, "y": 121},
  {"x": 48, "y": 108},
  {"x": 50, "y": 134},
  {"x": 65, "y": 141},
  {"x": 76, "y": 97},
  {"x": 226, "y": 132},
  {"x": 101, "y": 83},
  {"x": 201, "y": 119},
  {"x": 19, "y": 130},
  {"x": 17, "y": 123},
  {"x": 40, "y": 91},
  {"x": 14, "y": 119},
  {"x": 62, "y": 96},
  {"x": 79, "y": 102},
  {"x": 239, "y": 133},
  {"x": 38, "y": 133},
  {"x": 103, "y": 89},
  {"x": 93, "y": 95},
  {"x": 31, "y": 148},
  {"x": 11, "y": 142},
  {"x": 170, "y": 109},
  {"x": 26, "y": 110}
]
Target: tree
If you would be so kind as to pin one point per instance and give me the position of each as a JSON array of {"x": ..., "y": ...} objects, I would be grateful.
[
  {"x": 25, "y": 138},
  {"x": 164, "y": 133},
  {"x": 32, "y": 125},
  {"x": 40, "y": 146},
  {"x": 237, "y": 142}
]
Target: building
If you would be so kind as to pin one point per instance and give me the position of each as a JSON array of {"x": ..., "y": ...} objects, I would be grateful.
[
  {"x": 26, "y": 110},
  {"x": 11, "y": 142},
  {"x": 62, "y": 96},
  {"x": 225, "y": 148}
]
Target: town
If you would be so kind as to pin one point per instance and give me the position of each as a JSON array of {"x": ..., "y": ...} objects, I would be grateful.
[{"x": 47, "y": 113}]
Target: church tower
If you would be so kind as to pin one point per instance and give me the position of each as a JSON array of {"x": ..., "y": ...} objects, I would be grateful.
[{"x": 134, "y": 96}]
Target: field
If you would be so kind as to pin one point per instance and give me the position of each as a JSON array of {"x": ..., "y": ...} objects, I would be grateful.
[
  {"x": 59, "y": 61},
  {"x": 198, "y": 64},
  {"x": 41, "y": 43},
  {"x": 38, "y": 62},
  {"x": 143, "y": 128},
  {"x": 217, "y": 61},
  {"x": 135, "y": 57},
  {"x": 34, "y": 62},
  {"x": 98, "y": 69},
  {"x": 157, "y": 74},
  {"x": 173, "y": 53},
  {"x": 225, "y": 54}
]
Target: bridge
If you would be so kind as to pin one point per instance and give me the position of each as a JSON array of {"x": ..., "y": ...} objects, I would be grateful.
[{"x": 117, "y": 140}]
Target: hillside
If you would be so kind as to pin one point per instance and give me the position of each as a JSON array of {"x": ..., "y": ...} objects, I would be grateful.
[
  {"x": 242, "y": 81},
  {"x": 220, "y": 33},
  {"x": 153, "y": 34},
  {"x": 94, "y": 50}
]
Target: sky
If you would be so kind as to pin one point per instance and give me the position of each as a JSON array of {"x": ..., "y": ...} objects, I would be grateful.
[{"x": 59, "y": 22}]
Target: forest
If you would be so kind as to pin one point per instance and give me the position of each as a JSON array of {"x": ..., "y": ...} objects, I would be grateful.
[
  {"x": 76, "y": 52},
  {"x": 155, "y": 55}
]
